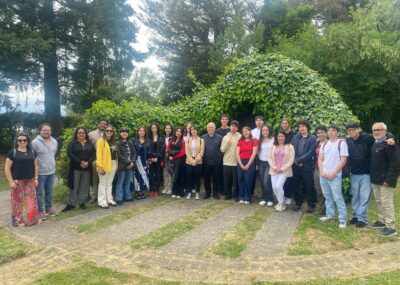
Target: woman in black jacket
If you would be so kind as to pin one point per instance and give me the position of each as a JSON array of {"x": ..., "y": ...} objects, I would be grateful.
[
  {"x": 126, "y": 162},
  {"x": 155, "y": 156},
  {"x": 81, "y": 153}
]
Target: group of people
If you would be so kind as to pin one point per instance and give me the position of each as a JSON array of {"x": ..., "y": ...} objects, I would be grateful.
[{"x": 293, "y": 167}]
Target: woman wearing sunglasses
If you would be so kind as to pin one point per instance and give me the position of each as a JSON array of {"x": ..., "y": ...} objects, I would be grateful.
[
  {"x": 22, "y": 174},
  {"x": 106, "y": 163}
]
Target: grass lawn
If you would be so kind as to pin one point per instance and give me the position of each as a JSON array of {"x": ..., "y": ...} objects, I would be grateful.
[
  {"x": 171, "y": 231},
  {"x": 3, "y": 182},
  {"x": 10, "y": 246},
  {"x": 314, "y": 237},
  {"x": 232, "y": 243}
]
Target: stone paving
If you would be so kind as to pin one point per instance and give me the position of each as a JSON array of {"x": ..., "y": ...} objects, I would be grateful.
[{"x": 264, "y": 259}]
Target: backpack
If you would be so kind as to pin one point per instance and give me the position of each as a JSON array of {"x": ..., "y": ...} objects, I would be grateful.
[{"x": 346, "y": 167}]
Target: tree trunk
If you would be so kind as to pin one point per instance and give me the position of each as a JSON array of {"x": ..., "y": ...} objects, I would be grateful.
[{"x": 52, "y": 103}]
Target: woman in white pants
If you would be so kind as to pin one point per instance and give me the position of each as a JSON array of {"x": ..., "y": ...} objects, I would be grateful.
[
  {"x": 280, "y": 159},
  {"x": 106, "y": 163}
]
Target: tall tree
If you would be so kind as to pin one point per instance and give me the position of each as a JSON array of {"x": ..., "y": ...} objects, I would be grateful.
[
  {"x": 185, "y": 33},
  {"x": 68, "y": 46}
]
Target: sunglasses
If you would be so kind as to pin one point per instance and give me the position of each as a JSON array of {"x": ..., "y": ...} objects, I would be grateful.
[{"x": 22, "y": 140}]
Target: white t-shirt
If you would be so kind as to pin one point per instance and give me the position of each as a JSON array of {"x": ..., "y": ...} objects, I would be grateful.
[
  {"x": 193, "y": 148},
  {"x": 332, "y": 155},
  {"x": 265, "y": 150},
  {"x": 255, "y": 133}
]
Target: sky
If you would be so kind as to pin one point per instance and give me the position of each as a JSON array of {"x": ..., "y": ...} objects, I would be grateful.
[{"x": 31, "y": 99}]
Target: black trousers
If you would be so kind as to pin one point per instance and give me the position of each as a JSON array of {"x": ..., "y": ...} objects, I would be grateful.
[
  {"x": 288, "y": 187},
  {"x": 230, "y": 181},
  {"x": 221, "y": 187},
  {"x": 193, "y": 174},
  {"x": 155, "y": 176},
  {"x": 211, "y": 172},
  {"x": 299, "y": 175},
  {"x": 178, "y": 178}
]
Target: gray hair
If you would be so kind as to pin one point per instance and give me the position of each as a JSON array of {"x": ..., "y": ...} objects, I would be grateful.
[{"x": 380, "y": 123}]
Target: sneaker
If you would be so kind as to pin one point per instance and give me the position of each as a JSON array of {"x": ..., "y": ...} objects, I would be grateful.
[
  {"x": 156, "y": 193},
  {"x": 326, "y": 219},
  {"x": 360, "y": 224},
  {"x": 173, "y": 196},
  {"x": 388, "y": 233},
  {"x": 241, "y": 202},
  {"x": 41, "y": 216},
  {"x": 280, "y": 207},
  {"x": 194, "y": 191},
  {"x": 353, "y": 221},
  {"x": 112, "y": 203},
  {"x": 51, "y": 212},
  {"x": 169, "y": 192},
  {"x": 178, "y": 197},
  {"x": 246, "y": 202},
  {"x": 377, "y": 225},
  {"x": 104, "y": 206},
  {"x": 165, "y": 191},
  {"x": 197, "y": 196},
  {"x": 296, "y": 208},
  {"x": 342, "y": 225},
  {"x": 82, "y": 206},
  {"x": 189, "y": 196},
  {"x": 262, "y": 203},
  {"x": 288, "y": 201},
  {"x": 270, "y": 204},
  {"x": 68, "y": 208}
]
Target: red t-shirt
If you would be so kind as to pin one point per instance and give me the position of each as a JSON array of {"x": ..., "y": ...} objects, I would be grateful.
[{"x": 246, "y": 147}]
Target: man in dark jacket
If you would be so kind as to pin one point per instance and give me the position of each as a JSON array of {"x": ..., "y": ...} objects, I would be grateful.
[
  {"x": 212, "y": 161},
  {"x": 384, "y": 171},
  {"x": 304, "y": 145}
]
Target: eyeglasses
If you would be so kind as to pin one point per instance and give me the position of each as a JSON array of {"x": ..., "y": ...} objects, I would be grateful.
[
  {"x": 22, "y": 141},
  {"x": 109, "y": 131},
  {"x": 378, "y": 130},
  {"x": 351, "y": 130}
]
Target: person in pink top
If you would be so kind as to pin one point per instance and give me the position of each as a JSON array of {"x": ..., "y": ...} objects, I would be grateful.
[
  {"x": 280, "y": 159},
  {"x": 246, "y": 151}
]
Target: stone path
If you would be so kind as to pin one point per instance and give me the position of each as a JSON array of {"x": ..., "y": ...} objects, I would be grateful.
[
  {"x": 197, "y": 240},
  {"x": 275, "y": 235},
  {"x": 264, "y": 259}
]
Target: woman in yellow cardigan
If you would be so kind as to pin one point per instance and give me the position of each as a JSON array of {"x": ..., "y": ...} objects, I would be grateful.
[
  {"x": 194, "y": 159},
  {"x": 106, "y": 163}
]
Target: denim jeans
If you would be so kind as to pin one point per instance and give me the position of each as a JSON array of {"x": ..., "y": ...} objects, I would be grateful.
[
  {"x": 245, "y": 181},
  {"x": 46, "y": 183},
  {"x": 332, "y": 190},
  {"x": 123, "y": 189},
  {"x": 265, "y": 179},
  {"x": 361, "y": 190}
]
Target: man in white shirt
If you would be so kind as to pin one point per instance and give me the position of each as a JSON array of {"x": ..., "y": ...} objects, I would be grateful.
[
  {"x": 260, "y": 121},
  {"x": 332, "y": 158}
]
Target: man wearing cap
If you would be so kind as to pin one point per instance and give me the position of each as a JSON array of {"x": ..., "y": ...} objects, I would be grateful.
[
  {"x": 126, "y": 161},
  {"x": 332, "y": 158},
  {"x": 228, "y": 148}
]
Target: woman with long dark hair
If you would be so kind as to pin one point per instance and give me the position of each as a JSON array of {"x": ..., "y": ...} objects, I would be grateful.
[
  {"x": 176, "y": 161},
  {"x": 156, "y": 154},
  {"x": 266, "y": 142},
  {"x": 194, "y": 149},
  {"x": 106, "y": 163},
  {"x": 141, "y": 174},
  {"x": 281, "y": 158},
  {"x": 81, "y": 153},
  {"x": 21, "y": 170},
  {"x": 166, "y": 175},
  {"x": 246, "y": 151}
]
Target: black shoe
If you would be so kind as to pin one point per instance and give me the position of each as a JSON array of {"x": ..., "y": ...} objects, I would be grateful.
[
  {"x": 353, "y": 221},
  {"x": 138, "y": 195},
  {"x": 120, "y": 203},
  {"x": 207, "y": 196},
  {"x": 82, "y": 206},
  {"x": 296, "y": 208},
  {"x": 68, "y": 208},
  {"x": 377, "y": 225},
  {"x": 310, "y": 210},
  {"x": 128, "y": 200},
  {"x": 360, "y": 224},
  {"x": 388, "y": 233},
  {"x": 217, "y": 197}
]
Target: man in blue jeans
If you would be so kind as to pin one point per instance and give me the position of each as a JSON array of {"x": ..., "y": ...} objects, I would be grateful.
[
  {"x": 332, "y": 158},
  {"x": 45, "y": 148}
]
